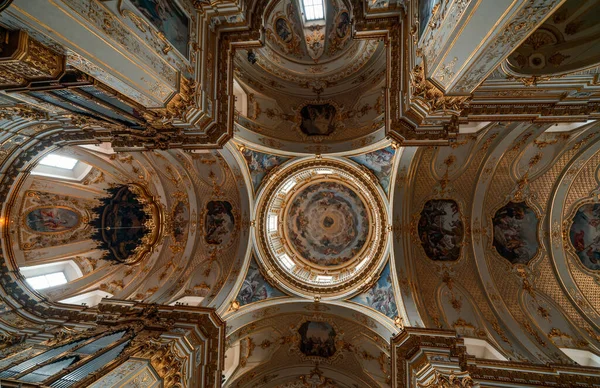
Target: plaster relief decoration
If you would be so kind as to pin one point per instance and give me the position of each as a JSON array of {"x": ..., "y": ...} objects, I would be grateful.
[
  {"x": 315, "y": 41},
  {"x": 380, "y": 297},
  {"x": 515, "y": 232},
  {"x": 317, "y": 339},
  {"x": 219, "y": 223},
  {"x": 169, "y": 19},
  {"x": 260, "y": 164},
  {"x": 255, "y": 287},
  {"x": 441, "y": 230},
  {"x": 327, "y": 223},
  {"x": 563, "y": 44},
  {"x": 380, "y": 162},
  {"x": 52, "y": 219},
  {"x": 318, "y": 119},
  {"x": 585, "y": 235}
]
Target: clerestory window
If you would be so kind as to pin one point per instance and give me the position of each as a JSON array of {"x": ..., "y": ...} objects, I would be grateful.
[
  {"x": 47, "y": 281},
  {"x": 58, "y": 161},
  {"x": 313, "y": 9}
]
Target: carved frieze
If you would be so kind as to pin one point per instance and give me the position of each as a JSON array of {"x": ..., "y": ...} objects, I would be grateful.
[{"x": 24, "y": 60}]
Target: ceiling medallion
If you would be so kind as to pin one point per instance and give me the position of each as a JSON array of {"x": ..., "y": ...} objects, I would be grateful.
[{"x": 321, "y": 227}]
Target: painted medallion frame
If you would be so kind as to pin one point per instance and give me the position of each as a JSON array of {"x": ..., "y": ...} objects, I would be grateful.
[
  {"x": 236, "y": 219},
  {"x": 301, "y": 345},
  {"x": 81, "y": 219},
  {"x": 527, "y": 201},
  {"x": 567, "y": 224},
  {"x": 415, "y": 228}
]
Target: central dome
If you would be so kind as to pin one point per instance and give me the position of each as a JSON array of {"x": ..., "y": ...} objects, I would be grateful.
[
  {"x": 320, "y": 227},
  {"x": 327, "y": 223}
]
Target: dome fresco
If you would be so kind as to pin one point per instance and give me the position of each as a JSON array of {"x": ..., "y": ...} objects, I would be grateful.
[
  {"x": 319, "y": 226},
  {"x": 299, "y": 193},
  {"x": 327, "y": 223}
]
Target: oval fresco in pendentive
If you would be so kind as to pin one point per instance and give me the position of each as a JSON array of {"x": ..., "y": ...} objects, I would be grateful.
[
  {"x": 283, "y": 30},
  {"x": 441, "y": 230},
  {"x": 515, "y": 232},
  {"x": 585, "y": 235},
  {"x": 219, "y": 223},
  {"x": 342, "y": 25},
  {"x": 52, "y": 219}
]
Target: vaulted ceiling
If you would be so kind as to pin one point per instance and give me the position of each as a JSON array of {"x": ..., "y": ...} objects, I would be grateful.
[{"x": 320, "y": 183}]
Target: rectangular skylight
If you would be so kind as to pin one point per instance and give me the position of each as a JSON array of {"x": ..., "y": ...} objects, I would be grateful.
[
  {"x": 272, "y": 226},
  {"x": 58, "y": 161},
  {"x": 46, "y": 281},
  {"x": 325, "y": 171},
  {"x": 324, "y": 279},
  {"x": 313, "y": 9},
  {"x": 287, "y": 261}
]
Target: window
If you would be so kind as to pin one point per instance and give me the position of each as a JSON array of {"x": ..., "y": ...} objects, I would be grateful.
[
  {"x": 90, "y": 299},
  {"x": 46, "y": 281},
  {"x": 50, "y": 275},
  {"x": 482, "y": 349},
  {"x": 313, "y": 9},
  {"x": 58, "y": 161},
  {"x": 69, "y": 268},
  {"x": 63, "y": 167},
  {"x": 582, "y": 357}
]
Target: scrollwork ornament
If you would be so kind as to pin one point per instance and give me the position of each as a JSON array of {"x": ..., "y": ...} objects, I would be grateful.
[
  {"x": 432, "y": 97},
  {"x": 451, "y": 380}
]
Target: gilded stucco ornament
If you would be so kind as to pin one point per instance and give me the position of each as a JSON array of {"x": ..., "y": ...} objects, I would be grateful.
[
  {"x": 458, "y": 380},
  {"x": 430, "y": 95}
]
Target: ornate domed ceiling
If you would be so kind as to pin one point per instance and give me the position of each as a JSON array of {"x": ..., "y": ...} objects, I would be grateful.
[
  {"x": 312, "y": 81},
  {"x": 320, "y": 227},
  {"x": 311, "y": 185}
]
